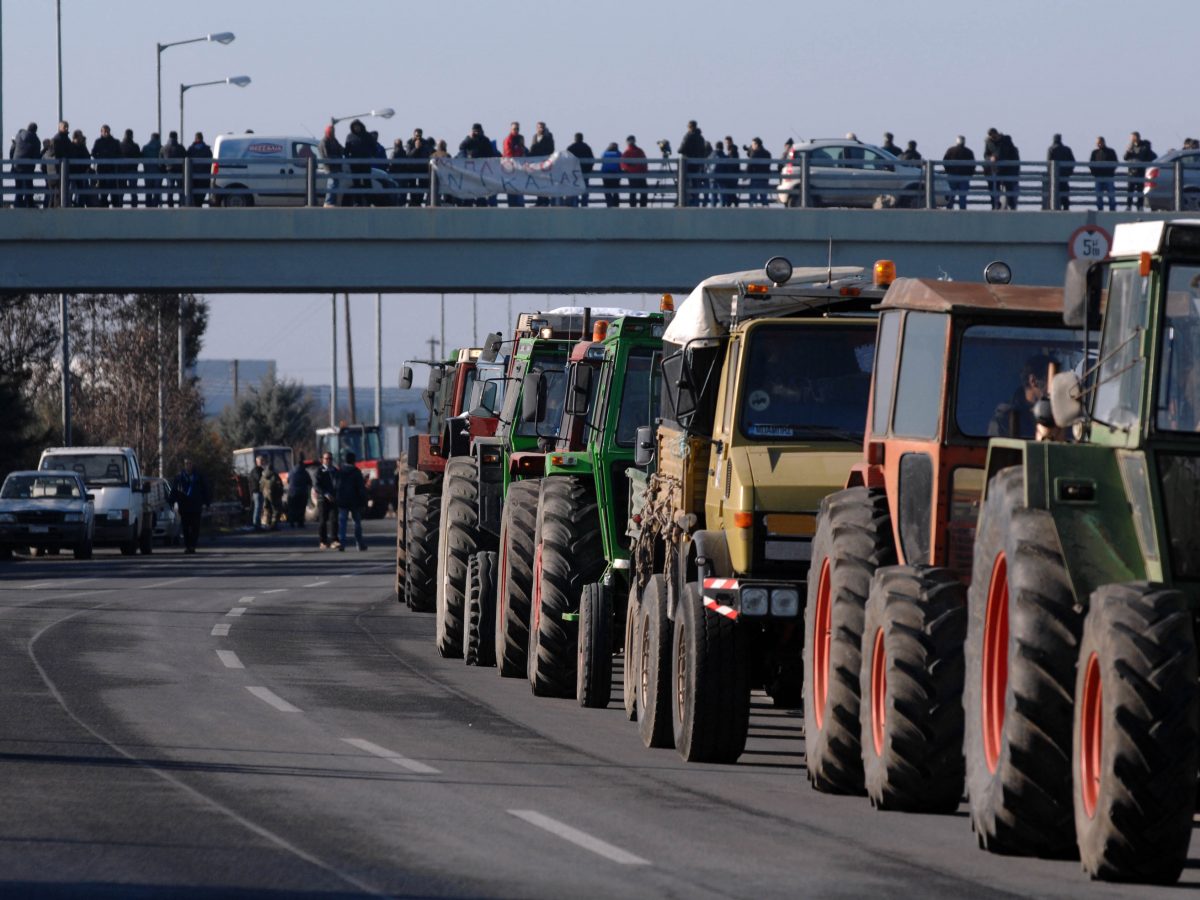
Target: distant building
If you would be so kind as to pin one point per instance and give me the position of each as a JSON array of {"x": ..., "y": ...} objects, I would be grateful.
[{"x": 221, "y": 379}]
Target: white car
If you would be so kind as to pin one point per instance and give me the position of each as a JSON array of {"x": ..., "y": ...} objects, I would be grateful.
[
  {"x": 851, "y": 173},
  {"x": 114, "y": 479}
]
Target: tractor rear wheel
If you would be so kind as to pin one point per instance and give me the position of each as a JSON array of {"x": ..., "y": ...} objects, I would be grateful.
[
  {"x": 593, "y": 669},
  {"x": 1022, "y": 644},
  {"x": 629, "y": 679},
  {"x": 654, "y": 666},
  {"x": 517, "y": 527},
  {"x": 422, "y": 515},
  {"x": 1137, "y": 717},
  {"x": 912, "y": 682},
  {"x": 480, "y": 623},
  {"x": 458, "y": 541},
  {"x": 853, "y": 539},
  {"x": 710, "y": 683},
  {"x": 568, "y": 554}
]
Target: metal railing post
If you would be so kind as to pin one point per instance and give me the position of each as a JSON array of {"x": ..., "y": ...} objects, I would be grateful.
[
  {"x": 930, "y": 202},
  {"x": 64, "y": 183},
  {"x": 310, "y": 181},
  {"x": 433, "y": 185},
  {"x": 681, "y": 199},
  {"x": 1178, "y": 184},
  {"x": 804, "y": 181},
  {"x": 187, "y": 181},
  {"x": 1052, "y": 173}
]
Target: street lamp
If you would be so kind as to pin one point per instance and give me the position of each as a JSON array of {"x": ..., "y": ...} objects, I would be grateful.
[
  {"x": 239, "y": 80},
  {"x": 223, "y": 37},
  {"x": 385, "y": 113}
]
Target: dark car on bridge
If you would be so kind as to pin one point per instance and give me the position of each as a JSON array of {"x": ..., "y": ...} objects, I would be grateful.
[{"x": 46, "y": 511}]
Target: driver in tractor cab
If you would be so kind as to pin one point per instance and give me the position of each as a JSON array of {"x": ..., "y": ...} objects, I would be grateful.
[{"x": 1016, "y": 417}]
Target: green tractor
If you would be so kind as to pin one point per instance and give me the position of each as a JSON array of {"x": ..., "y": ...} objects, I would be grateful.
[
  {"x": 1087, "y": 581},
  {"x": 581, "y": 551}
]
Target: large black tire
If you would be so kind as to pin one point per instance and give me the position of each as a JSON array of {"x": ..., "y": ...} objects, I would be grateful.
[
  {"x": 518, "y": 525},
  {"x": 912, "y": 683},
  {"x": 1018, "y": 695},
  {"x": 853, "y": 539},
  {"x": 480, "y": 625},
  {"x": 422, "y": 517},
  {"x": 83, "y": 550},
  {"x": 593, "y": 668},
  {"x": 654, "y": 666},
  {"x": 458, "y": 541},
  {"x": 569, "y": 553},
  {"x": 1137, "y": 722},
  {"x": 710, "y": 680},
  {"x": 629, "y": 679},
  {"x": 146, "y": 540}
]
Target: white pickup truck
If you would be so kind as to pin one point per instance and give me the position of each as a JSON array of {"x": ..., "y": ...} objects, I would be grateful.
[{"x": 114, "y": 479}]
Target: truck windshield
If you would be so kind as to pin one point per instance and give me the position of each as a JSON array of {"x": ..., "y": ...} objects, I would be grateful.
[
  {"x": 805, "y": 383},
  {"x": 96, "y": 468},
  {"x": 1179, "y": 375},
  {"x": 488, "y": 390},
  {"x": 1002, "y": 372},
  {"x": 553, "y": 368},
  {"x": 639, "y": 401},
  {"x": 363, "y": 443}
]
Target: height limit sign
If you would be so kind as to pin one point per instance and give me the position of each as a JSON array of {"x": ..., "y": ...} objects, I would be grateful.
[{"x": 1089, "y": 242}]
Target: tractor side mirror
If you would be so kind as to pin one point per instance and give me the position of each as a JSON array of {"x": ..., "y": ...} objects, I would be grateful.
[
  {"x": 435, "y": 379},
  {"x": 581, "y": 389},
  {"x": 533, "y": 398},
  {"x": 406, "y": 378},
  {"x": 1081, "y": 294},
  {"x": 1066, "y": 399},
  {"x": 643, "y": 446},
  {"x": 491, "y": 347}
]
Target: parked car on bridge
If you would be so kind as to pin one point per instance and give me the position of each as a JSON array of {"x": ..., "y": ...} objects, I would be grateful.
[
  {"x": 1159, "y": 189},
  {"x": 851, "y": 173},
  {"x": 46, "y": 510},
  {"x": 266, "y": 170}
]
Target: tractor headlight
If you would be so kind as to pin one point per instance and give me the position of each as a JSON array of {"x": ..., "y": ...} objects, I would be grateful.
[
  {"x": 785, "y": 602},
  {"x": 754, "y": 602}
]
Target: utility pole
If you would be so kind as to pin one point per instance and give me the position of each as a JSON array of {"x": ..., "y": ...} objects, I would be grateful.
[
  {"x": 378, "y": 360},
  {"x": 474, "y": 320},
  {"x": 350, "y": 360},
  {"x": 333, "y": 366},
  {"x": 442, "y": 355},
  {"x": 162, "y": 394},
  {"x": 235, "y": 381},
  {"x": 64, "y": 321},
  {"x": 181, "y": 342},
  {"x": 433, "y": 346}
]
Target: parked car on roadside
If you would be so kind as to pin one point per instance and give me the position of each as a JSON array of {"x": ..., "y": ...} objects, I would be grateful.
[
  {"x": 164, "y": 520},
  {"x": 114, "y": 478},
  {"x": 1159, "y": 187},
  {"x": 851, "y": 173},
  {"x": 46, "y": 510}
]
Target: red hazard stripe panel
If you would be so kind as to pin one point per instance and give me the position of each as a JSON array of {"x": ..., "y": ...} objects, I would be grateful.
[
  {"x": 721, "y": 584},
  {"x": 721, "y": 609}
]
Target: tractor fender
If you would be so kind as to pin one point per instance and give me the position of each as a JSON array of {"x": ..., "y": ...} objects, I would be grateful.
[
  {"x": 704, "y": 555},
  {"x": 866, "y": 475}
]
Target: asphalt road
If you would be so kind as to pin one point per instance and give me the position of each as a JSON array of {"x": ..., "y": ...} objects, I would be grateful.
[{"x": 263, "y": 719}]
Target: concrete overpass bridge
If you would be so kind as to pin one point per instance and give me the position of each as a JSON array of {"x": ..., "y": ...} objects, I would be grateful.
[{"x": 533, "y": 250}]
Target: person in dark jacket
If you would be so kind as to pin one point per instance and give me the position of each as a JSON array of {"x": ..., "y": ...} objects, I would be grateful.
[
  {"x": 189, "y": 491},
  {"x": 541, "y": 145},
  {"x": 691, "y": 148},
  {"x": 398, "y": 169},
  {"x": 1003, "y": 167},
  {"x": 582, "y": 152},
  {"x": 477, "y": 145},
  {"x": 26, "y": 146},
  {"x": 1137, "y": 151},
  {"x": 959, "y": 166},
  {"x": 910, "y": 153},
  {"x": 759, "y": 171},
  {"x": 1103, "y": 166},
  {"x": 730, "y": 178},
  {"x": 359, "y": 145},
  {"x": 128, "y": 182},
  {"x": 889, "y": 145},
  {"x": 351, "y": 501},
  {"x": 610, "y": 174},
  {"x": 419, "y": 148},
  {"x": 81, "y": 171},
  {"x": 329, "y": 149},
  {"x": 172, "y": 151},
  {"x": 152, "y": 171},
  {"x": 201, "y": 155},
  {"x": 1060, "y": 153},
  {"x": 326, "y": 485},
  {"x": 299, "y": 486},
  {"x": 107, "y": 147}
]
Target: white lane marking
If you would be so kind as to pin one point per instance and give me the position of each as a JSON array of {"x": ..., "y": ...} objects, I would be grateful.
[
  {"x": 315, "y": 584},
  {"x": 237, "y": 611},
  {"x": 391, "y": 756},
  {"x": 158, "y": 584},
  {"x": 579, "y": 838},
  {"x": 229, "y": 659},
  {"x": 246, "y": 600},
  {"x": 266, "y": 695},
  {"x": 275, "y": 591},
  {"x": 220, "y": 630}
]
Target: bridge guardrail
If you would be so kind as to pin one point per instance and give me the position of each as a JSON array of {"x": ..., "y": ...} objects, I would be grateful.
[{"x": 667, "y": 181}]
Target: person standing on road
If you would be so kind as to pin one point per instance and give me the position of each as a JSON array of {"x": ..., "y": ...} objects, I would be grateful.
[
  {"x": 610, "y": 174},
  {"x": 298, "y": 488},
  {"x": 26, "y": 146},
  {"x": 330, "y": 149},
  {"x": 173, "y": 150},
  {"x": 256, "y": 494},
  {"x": 1137, "y": 151},
  {"x": 272, "y": 493},
  {"x": 633, "y": 164},
  {"x": 201, "y": 168},
  {"x": 129, "y": 183},
  {"x": 351, "y": 501},
  {"x": 189, "y": 491},
  {"x": 1060, "y": 153},
  {"x": 960, "y": 166},
  {"x": 1103, "y": 165},
  {"x": 151, "y": 177},
  {"x": 326, "y": 485}
]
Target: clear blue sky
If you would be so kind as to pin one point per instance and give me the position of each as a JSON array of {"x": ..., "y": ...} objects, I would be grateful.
[{"x": 926, "y": 70}]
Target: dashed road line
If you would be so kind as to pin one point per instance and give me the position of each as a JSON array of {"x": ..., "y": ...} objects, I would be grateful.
[
  {"x": 579, "y": 838},
  {"x": 237, "y": 611},
  {"x": 266, "y": 695},
  {"x": 221, "y": 630},
  {"x": 402, "y": 761},
  {"x": 229, "y": 659},
  {"x": 246, "y": 600},
  {"x": 276, "y": 591},
  {"x": 316, "y": 584}
]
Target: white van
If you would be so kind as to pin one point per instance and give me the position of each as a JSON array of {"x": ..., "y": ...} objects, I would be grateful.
[
  {"x": 114, "y": 480},
  {"x": 270, "y": 170}
]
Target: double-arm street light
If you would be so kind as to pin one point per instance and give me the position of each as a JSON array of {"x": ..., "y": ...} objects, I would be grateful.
[
  {"x": 239, "y": 80},
  {"x": 386, "y": 113},
  {"x": 223, "y": 37}
]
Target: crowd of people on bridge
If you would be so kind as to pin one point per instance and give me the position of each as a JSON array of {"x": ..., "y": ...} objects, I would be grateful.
[{"x": 115, "y": 173}]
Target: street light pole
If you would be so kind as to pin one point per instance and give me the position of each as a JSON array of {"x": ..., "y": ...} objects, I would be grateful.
[
  {"x": 236, "y": 80},
  {"x": 224, "y": 37},
  {"x": 385, "y": 113},
  {"x": 58, "y": 17}
]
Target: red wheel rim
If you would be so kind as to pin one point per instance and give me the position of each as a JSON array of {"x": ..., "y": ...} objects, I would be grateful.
[
  {"x": 995, "y": 662},
  {"x": 1091, "y": 736},
  {"x": 821, "y": 638},
  {"x": 878, "y": 691},
  {"x": 537, "y": 592}
]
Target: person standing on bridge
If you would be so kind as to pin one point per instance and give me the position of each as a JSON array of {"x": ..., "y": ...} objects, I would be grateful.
[
  {"x": 172, "y": 151},
  {"x": 582, "y": 151},
  {"x": 201, "y": 168},
  {"x": 890, "y": 145},
  {"x": 1137, "y": 151},
  {"x": 1060, "y": 153},
  {"x": 1103, "y": 165},
  {"x": 359, "y": 145},
  {"x": 610, "y": 174},
  {"x": 959, "y": 166},
  {"x": 633, "y": 164},
  {"x": 189, "y": 491},
  {"x": 514, "y": 148},
  {"x": 351, "y": 501},
  {"x": 326, "y": 485},
  {"x": 129, "y": 183},
  {"x": 330, "y": 149},
  {"x": 151, "y": 178},
  {"x": 419, "y": 149},
  {"x": 81, "y": 171},
  {"x": 26, "y": 146},
  {"x": 542, "y": 145},
  {"x": 691, "y": 148},
  {"x": 107, "y": 147}
]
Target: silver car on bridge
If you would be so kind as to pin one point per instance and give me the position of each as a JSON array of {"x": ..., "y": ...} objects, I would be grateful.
[{"x": 851, "y": 173}]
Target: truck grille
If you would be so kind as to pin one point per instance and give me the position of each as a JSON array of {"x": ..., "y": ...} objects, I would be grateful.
[{"x": 40, "y": 517}]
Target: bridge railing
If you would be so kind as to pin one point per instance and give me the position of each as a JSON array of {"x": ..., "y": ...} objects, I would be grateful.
[{"x": 667, "y": 181}]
